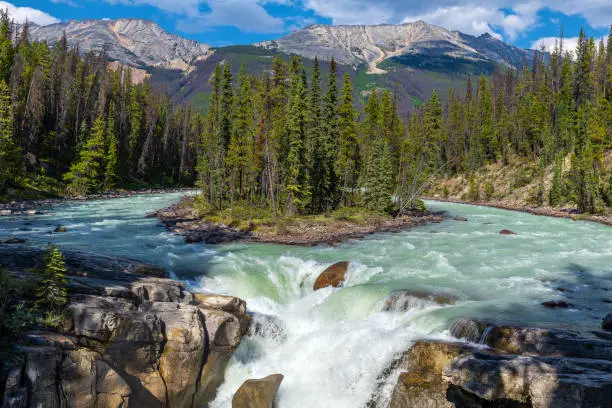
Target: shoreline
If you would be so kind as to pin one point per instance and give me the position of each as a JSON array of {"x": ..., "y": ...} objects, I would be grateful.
[
  {"x": 35, "y": 207},
  {"x": 568, "y": 213},
  {"x": 183, "y": 221}
]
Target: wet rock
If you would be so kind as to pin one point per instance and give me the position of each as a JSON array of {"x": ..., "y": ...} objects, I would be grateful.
[
  {"x": 557, "y": 304},
  {"x": 541, "y": 382},
  {"x": 266, "y": 326},
  {"x": 607, "y": 323},
  {"x": 609, "y": 301},
  {"x": 461, "y": 219},
  {"x": 150, "y": 270},
  {"x": 468, "y": 329},
  {"x": 13, "y": 241},
  {"x": 507, "y": 232},
  {"x": 404, "y": 300},
  {"x": 60, "y": 229},
  {"x": 422, "y": 385},
  {"x": 257, "y": 393},
  {"x": 332, "y": 276},
  {"x": 219, "y": 302},
  {"x": 5, "y": 213}
]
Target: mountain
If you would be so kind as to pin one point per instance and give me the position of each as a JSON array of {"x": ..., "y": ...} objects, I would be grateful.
[
  {"x": 372, "y": 45},
  {"x": 138, "y": 43},
  {"x": 412, "y": 59}
]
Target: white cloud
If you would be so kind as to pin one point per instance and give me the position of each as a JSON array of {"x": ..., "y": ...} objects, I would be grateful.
[
  {"x": 495, "y": 17},
  {"x": 23, "y": 14},
  {"x": 569, "y": 44},
  {"x": 201, "y": 15}
]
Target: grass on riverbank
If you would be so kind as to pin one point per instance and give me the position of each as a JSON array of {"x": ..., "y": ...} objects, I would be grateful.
[{"x": 247, "y": 217}]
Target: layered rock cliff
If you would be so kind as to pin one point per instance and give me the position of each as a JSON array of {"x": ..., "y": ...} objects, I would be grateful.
[{"x": 131, "y": 340}]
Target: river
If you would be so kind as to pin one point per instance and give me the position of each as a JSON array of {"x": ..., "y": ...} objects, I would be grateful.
[{"x": 332, "y": 344}]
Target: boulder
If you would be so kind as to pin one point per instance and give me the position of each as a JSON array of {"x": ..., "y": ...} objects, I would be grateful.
[
  {"x": 404, "y": 300},
  {"x": 422, "y": 385},
  {"x": 468, "y": 329},
  {"x": 60, "y": 229},
  {"x": 607, "y": 322},
  {"x": 332, "y": 276},
  {"x": 507, "y": 232},
  {"x": 228, "y": 304},
  {"x": 461, "y": 219},
  {"x": 257, "y": 393},
  {"x": 557, "y": 304}
]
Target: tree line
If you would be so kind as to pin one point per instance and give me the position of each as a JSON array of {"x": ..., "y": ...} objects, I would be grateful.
[
  {"x": 556, "y": 113},
  {"x": 84, "y": 122},
  {"x": 283, "y": 141}
]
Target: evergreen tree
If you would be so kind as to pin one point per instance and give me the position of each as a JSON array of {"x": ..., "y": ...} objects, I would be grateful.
[
  {"x": 297, "y": 184},
  {"x": 52, "y": 294},
  {"x": 85, "y": 174},
  {"x": 379, "y": 182},
  {"x": 9, "y": 153},
  {"x": 348, "y": 163},
  {"x": 225, "y": 106},
  {"x": 112, "y": 160},
  {"x": 7, "y": 50}
]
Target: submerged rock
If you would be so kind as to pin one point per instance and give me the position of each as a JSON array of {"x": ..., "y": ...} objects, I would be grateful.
[
  {"x": 404, "y": 300},
  {"x": 13, "y": 241},
  {"x": 469, "y": 329},
  {"x": 557, "y": 304},
  {"x": 507, "y": 232},
  {"x": 461, "y": 219},
  {"x": 332, "y": 276},
  {"x": 257, "y": 393},
  {"x": 607, "y": 323},
  {"x": 60, "y": 229}
]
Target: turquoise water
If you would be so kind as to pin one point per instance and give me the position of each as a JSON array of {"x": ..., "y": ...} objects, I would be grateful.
[{"x": 332, "y": 344}]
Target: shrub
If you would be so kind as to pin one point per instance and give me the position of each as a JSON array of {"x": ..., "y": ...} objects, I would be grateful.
[{"x": 52, "y": 294}]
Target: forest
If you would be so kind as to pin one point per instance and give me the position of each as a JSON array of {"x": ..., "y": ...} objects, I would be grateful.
[
  {"x": 289, "y": 143},
  {"x": 72, "y": 124}
]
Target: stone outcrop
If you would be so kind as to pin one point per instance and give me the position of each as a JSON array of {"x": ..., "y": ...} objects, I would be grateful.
[
  {"x": 404, "y": 300},
  {"x": 332, "y": 276},
  {"x": 136, "y": 341},
  {"x": 512, "y": 367},
  {"x": 257, "y": 393}
]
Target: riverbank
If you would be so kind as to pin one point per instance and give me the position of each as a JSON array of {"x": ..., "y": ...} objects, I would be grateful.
[
  {"x": 38, "y": 206},
  {"x": 545, "y": 211},
  {"x": 183, "y": 219}
]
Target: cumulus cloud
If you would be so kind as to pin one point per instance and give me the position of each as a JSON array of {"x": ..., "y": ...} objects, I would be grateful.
[
  {"x": 569, "y": 44},
  {"x": 495, "y": 17},
  {"x": 200, "y": 15},
  {"x": 23, "y": 14}
]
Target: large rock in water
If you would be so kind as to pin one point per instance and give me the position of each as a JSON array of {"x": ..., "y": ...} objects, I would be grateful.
[
  {"x": 404, "y": 300},
  {"x": 257, "y": 393},
  {"x": 332, "y": 276},
  {"x": 133, "y": 341},
  {"x": 524, "y": 368},
  {"x": 607, "y": 323}
]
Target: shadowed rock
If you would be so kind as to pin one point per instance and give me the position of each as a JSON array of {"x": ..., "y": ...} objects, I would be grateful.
[{"x": 332, "y": 276}]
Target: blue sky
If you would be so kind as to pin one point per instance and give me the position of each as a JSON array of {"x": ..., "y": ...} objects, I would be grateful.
[{"x": 525, "y": 23}]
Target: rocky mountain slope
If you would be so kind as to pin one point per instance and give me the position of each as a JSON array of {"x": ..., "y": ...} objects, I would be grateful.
[
  {"x": 138, "y": 43},
  {"x": 355, "y": 45}
]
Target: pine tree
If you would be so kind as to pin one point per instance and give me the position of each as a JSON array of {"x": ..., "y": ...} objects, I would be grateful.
[
  {"x": 379, "y": 182},
  {"x": 7, "y": 50},
  {"x": 9, "y": 152},
  {"x": 52, "y": 294},
  {"x": 225, "y": 106},
  {"x": 297, "y": 184},
  {"x": 240, "y": 158},
  {"x": 111, "y": 173},
  {"x": 85, "y": 175},
  {"x": 348, "y": 163},
  {"x": 556, "y": 189}
]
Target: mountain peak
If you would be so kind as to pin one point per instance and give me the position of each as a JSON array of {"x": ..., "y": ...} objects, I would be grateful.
[
  {"x": 136, "y": 42},
  {"x": 359, "y": 44}
]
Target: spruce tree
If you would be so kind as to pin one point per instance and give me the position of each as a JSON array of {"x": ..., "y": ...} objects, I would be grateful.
[
  {"x": 9, "y": 152},
  {"x": 225, "y": 106},
  {"x": 348, "y": 162},
  {"x": 85, "y": 174},
  {"x": 7, "y": 50},
  {"x": 111, "y": 173},
  {"x": 52, "y": 295},
  {"x": 379, "y": 182},
  {"x": 297, "y": 191}
]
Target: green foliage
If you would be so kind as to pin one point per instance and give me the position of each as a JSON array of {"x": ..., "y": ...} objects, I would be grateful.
[
  {"x": 52, "y": 294},
  {"x": 474, "y": 190}
]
